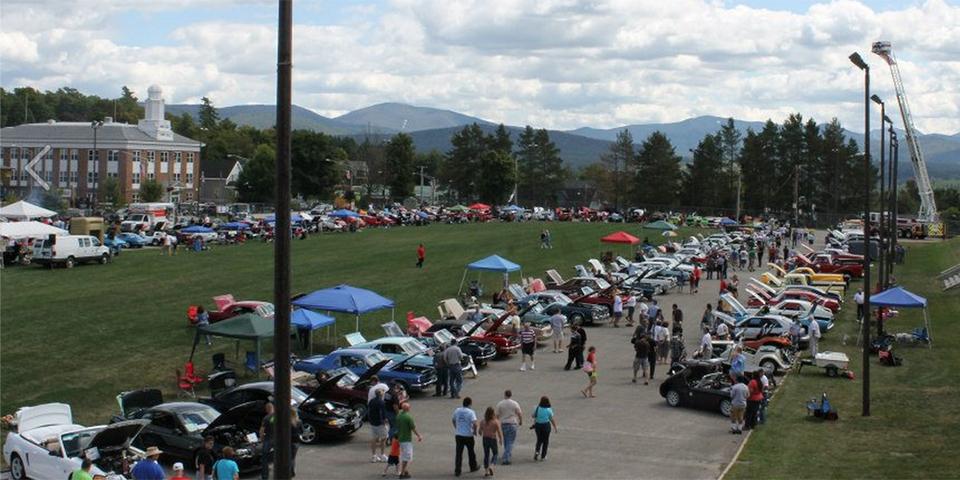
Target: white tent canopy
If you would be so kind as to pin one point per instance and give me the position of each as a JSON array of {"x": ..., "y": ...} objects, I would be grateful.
[
  {"x": 24, "y": 211},
  {"x": 18, "y": 230}
]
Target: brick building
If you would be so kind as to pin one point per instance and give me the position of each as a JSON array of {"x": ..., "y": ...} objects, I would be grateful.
[{"x": 82, "y": 154}]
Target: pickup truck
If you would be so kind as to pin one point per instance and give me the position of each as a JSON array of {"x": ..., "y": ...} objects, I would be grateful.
[{"x": 413, "y": 377}]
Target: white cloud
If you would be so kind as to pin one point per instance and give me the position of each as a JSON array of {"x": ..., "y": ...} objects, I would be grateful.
[{"x": 552, "y": 63}]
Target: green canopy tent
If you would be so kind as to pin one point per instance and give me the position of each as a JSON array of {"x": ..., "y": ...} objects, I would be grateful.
[
  {"x": 458, "y": 209},
  {"x": 660, "y": 225},
  {"x": 247, "y": 326}
]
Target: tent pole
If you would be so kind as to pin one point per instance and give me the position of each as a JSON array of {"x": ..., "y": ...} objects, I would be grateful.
[
  {"x": 358, "y": 323},
  {"x": 464, "y": 279},
  {"x": 926, "y": 322}
]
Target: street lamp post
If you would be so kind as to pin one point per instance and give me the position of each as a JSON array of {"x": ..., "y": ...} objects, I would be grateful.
[
  {"x": 894, "y": 208},
  {"x": 95, "y": 125},
  {"x": 880, "y": 221},
  {"x": 867, "y": 184}
]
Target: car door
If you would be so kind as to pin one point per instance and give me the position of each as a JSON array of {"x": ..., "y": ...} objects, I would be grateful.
[
  {"x": 164, "y": 432},
  {"x": 39, "y": 462}
]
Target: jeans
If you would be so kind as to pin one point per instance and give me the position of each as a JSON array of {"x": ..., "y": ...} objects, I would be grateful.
[
  {"x": 392, "y": 419},
  {"x": 489, "y": 451},
  {"x": 465, "y": 442},
  {"x": 753, "y": 408},
  {"x": 574, "y": 355},
  {"x": 509, "y": 437},
  {"x": 543, "y": 439},
  {"x": 265, "y": 455},
  {"x": 442, "y": 382},
  {"x": 652, "y": 360},
  {"x": 455, "y": 375},
  {"x": 762, "y": 415}
]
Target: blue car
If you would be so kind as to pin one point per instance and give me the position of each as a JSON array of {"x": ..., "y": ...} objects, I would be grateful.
[
  {"x": 413, "y": 377},
  {"x": 134, "y": 240},
  {"x": 115, "y": 244}
]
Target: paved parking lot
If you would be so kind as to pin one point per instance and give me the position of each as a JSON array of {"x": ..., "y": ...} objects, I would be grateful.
[{"x": 628, "y": 431}]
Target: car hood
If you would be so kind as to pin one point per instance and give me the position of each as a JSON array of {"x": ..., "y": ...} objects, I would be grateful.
[
  {"x": 235, "y": 415},
  {"x": 118, "y": 435},
  {"x": 365, "y": 376},
  {"x": 405, "y": 360},
  {"x": 137, "y": 400}
]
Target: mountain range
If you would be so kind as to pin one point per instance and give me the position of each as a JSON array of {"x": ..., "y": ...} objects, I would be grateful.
[{"x": 431, "y": 129}]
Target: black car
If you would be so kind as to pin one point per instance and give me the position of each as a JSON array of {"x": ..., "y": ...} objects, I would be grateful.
[
  {"x": 576, "y": 312},
  {"x": 700, "y": 385},
  {"x": 178, "y": 428},
  {"x": 319, "y": 419},
  {"x": 479, "y": 350}
]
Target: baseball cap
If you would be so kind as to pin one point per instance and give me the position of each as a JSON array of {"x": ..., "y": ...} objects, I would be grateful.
[{"x": 178, "y": 466}]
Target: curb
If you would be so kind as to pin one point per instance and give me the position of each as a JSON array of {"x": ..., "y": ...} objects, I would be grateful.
[{"x": 743, "y": 444}]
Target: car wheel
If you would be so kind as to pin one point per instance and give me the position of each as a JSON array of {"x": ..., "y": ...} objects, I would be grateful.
[
  {"x": 577, "y": 318},
  {"x": 104, "y": 259},
  {"x": 17, "y": 470},
  {"x": 725, "y": 407},
  {"x": 308, "y": 432},
  {"x": 70, "y": 262},
  {"x": 361, "y": 409},
  {"x": 832, "y": 371},
  {"x": 769, "y": 367},
  {"x": 673, "y": 398}
]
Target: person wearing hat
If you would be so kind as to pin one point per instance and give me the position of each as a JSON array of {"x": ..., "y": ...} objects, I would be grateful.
[
  {"x": 148, "y": 468},
  {"x": 178, "y": 472}
]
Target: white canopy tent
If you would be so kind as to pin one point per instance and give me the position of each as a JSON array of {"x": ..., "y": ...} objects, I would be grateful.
[
  {"x": 19, "y": 230},
  {"x": 24, "y": 211}
]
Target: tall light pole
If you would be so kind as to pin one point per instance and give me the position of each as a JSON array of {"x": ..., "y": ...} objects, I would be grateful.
[
  {"x": 867, "y": 184},
  {"x": 880, "y": 221},
  {"x": 95, "y": 161},
  {"x": 894, "y": 208},
  {"x": 282, "y": 239}
]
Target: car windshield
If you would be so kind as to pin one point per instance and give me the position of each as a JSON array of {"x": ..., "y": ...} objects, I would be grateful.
[
  {"x": 374, "y": 358},
  {"x": 349, "y": 378},
  {"x": 602, "y": 284},
  {"x": 443, "y": 336},
  {"x": 197, "y": 419},
  {"x": 75, "y": 442},
  {"x": 265, "y": 310},
  {"x": 411, "y": 347},
  {"x": 537, "y": 308},
  {"x": 562, "y": 299},
  {"x": 469, "y": 325},
  {"x": 297, "y": 396}
]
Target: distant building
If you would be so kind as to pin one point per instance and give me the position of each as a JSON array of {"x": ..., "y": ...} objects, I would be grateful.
[
  {"x": 218, "y": 179},
  {"x": 82, "y": 154}
]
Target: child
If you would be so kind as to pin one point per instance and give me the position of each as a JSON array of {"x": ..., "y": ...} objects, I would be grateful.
[{"x": 394, "y": 458}]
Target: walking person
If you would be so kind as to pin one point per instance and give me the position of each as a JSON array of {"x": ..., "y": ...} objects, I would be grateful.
[
  {"x": 814, "y": 329},
  {"x": 753, "y": 401},
  {"x": 662, "y": 336},
  {"x": 641, "y": 349},
  {"x": 706, "y": 344},
  {"x": 578, "y": 338},
  {"x": 528, "y": 344},
  {"x": 543, "y": 239},
  {"x": 631, "y": 305},
  {"x": 590, "y": 367},
  {"x": 224, "y": 469},
  {"x": 203, "y": 320},
  {"x": 393, "y": 400},
  {"x": 451, "y": 357},
  {"x": 421, "y": 255},
  {"x": 858, "y": 298},
  {"x": 511, "y": 418},
  {"x": 677, "y": 318},
  {"x": 440, "y": 365},
  {"x": 406, "y": 428},
  {"x": 738, "y": 364},
  {"x": 377, "y": 418},
  {"x": 543, "y": 419},
  {"x": 557, "y": 323},
  {"x": 739, "y": 393},
  {"x": 617, "y": 308},
  {"x": 204, "y": 460},
  {"x": 491, "y": 435},
  {"x": 465, "y": 427},
  {"x": 697, "y": 273},
  {"x": 693, "y": 283}
]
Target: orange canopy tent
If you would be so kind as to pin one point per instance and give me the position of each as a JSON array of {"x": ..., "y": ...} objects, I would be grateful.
[
  {"x": 621, "y": 237},
  {"x": 482, "y": 207}
]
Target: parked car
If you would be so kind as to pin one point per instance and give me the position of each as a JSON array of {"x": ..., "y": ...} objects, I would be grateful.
[
  {"x": 319, "y": 419},
  {"x": 396, "y": 348},
  {"x": 47, "y": 444},
  {"x": 507, "y": 343},
  {"x": 699, "y": 385},
  {"x": 479, "y": 350},
  {"x": 68, "y": 250},
  {"x": 358, "y": 360},
  {"x": 115, "y": 244},
  {"x": 771, "y": 359},
  {"x": 583, "y": 313},
  {"x": 228, "y": 307},
  {"x": 134, "y": 240},
  {"x": 759, "y": 326},
  {"x": 341, "y": 385},
  {"x": 178, "y": 428}
]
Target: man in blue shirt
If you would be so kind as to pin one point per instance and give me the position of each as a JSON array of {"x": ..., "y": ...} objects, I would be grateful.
[
  {"x": 148, "y": 468},
  {"x": 226, "y": 468},
  {"x": 465, "y": 426}
]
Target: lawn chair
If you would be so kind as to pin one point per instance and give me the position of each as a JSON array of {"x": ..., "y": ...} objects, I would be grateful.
[
  {"x": 192, "y": 314},
  {"x": 190, "y": 373},
  {"x": 220, "y": 362},
  {"x": 253, "y": 363},
  {"x": 184, "y": 385}
]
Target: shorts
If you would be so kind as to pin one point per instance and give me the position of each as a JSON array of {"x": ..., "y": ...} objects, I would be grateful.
[
  {"x": 406, "y": 451},
  {"x": 393, "y": 460},
  {"x": 663, "y": 348},
  {"x": 558, "y": 334},
  {"x": 618, "y": 315},
  {"x": 640, "y": 364},
  {"x": 528, "y": 348},
  {"x": 736, "y": 413},
  {"x": 379, "y": 432}
]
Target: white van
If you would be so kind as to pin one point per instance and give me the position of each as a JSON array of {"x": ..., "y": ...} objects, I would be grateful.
[{"x": 69, "y": 250}]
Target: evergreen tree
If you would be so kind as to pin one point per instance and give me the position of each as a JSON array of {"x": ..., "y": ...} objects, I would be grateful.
[
  {"x": 496, "y": 182},
  {"x": 256, "y": 182},
  {"x": 209, "y": 116},
  {"x": 730, "y": 140},
  {"x": 658, "y": 172},
  {"x": 313, "y": 163},
  {"x": 399, "y": 162},
  {"x": 541, "y": 168},
  {"x": 617, "y": 162},
  {"x": 461, "y": 167},
  {"x": 151, "y": 191},
  {"x": 704, "y": 182}
]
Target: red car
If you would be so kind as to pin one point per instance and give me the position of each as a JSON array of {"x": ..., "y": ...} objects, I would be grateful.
[
  {"x": 776, "y": 341},
  {"x": 227, "y": 307},
  {"x": 825, "y": 263},
  {"x": 507, "y": 343},
  {"x": 792, "y": 294},
  {"x": 343, "y": 386}
]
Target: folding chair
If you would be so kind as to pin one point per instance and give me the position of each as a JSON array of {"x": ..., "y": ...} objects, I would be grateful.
[
  {"x": 190, "y": 373},
  {"x": 220, "y": 362},
  {"x": 184, "y": 385},
  {"x": 252, "y": 363}
]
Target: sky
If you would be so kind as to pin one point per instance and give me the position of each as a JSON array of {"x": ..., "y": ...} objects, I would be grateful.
[{"x": 559, "y": 64}]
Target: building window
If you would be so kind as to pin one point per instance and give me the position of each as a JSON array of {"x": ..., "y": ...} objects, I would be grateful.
[
  {"x": 112, "y": 175},
  {"x": 48, "y": 155},
  {"x": 135, "y": 178},
  {"x": 14, "y": 151},
  {"x": 151, "y": 155},
  {"x": 64, "y": 154},
  {"x": 74, "y": 155},
  {"x": 164, "y": 156},
  {"x": 25, "y": 154},
  {"x": 136, "y": 155},
  {"x": 113, "y": 156},
  {"x": 48, "y": 176},
  {"x": 176, "y": 177},
  {"x": 136, "y": 197},
  {"x": 190, "y": 178},
  {"x": 189, "y": 196},
  {"x": 178, "y": 156},
  {"x": 92, "y": 177},
  {"x": 189, "y": 156},
  {"x": 164, "y": 166},
  {"x": 23, "y": 175},
  {"x": 63, "y": 177},
  {"x": 151, "y": 175},
  {"x": 74, "y": 176}
]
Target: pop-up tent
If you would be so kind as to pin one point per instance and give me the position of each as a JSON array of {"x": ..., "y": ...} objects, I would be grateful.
[
  {"x": 196, "y": 229},
  {"x": 18, "y": 230},
  {"x": 493, "y": 263},
  {"x": 901, "y": 298},
  {"x": 620, "y": 237},
  {"x": 234, "y": 226},
  {"x": 660, "y": 225},
  {"x": 247, "y": 326},
  {"x": 306, "y": 321},
  {"x": 343, "y": 213},
  {"x": 24, "y": 211},
  {"x": 480, "y": 207},
  {"x": 345, "y": 299},
  {"x": 458, "y": 209}
]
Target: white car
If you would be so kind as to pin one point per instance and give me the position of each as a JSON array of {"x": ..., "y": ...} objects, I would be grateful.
[
  {"x": 48, "y": 445},
  {"x": 771, "y": 359},
  {"x": 68, "y": 250}
]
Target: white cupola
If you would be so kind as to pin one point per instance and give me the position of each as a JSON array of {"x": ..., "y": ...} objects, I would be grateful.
[{"x": 154, "y": 124}]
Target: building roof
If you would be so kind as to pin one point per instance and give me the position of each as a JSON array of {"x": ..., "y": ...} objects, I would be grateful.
[
  {"x": 217, "y": 167},
  {"x": 81, "y": 132}
]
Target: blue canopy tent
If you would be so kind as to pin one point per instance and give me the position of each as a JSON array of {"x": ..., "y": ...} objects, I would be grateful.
[
  {"x": 234, "y": 226},
  {"x": 343, "y": 213},
  {"x": 493, "y": 263},
  {"x": 307, "y": 321},
  {"x": 902, "y": 298},
  {"x": 725, "y": 221},
  {"x": 294, "y": 218},
  {"x": 513, "y": 208},
  {"x": 197, "y": 229},
  {"x": 345, "y": 299}
]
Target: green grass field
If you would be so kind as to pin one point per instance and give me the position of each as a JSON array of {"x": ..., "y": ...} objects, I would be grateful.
[
  {"x": 914, "y": 428},
  {"x": 80, "y": 336}
]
